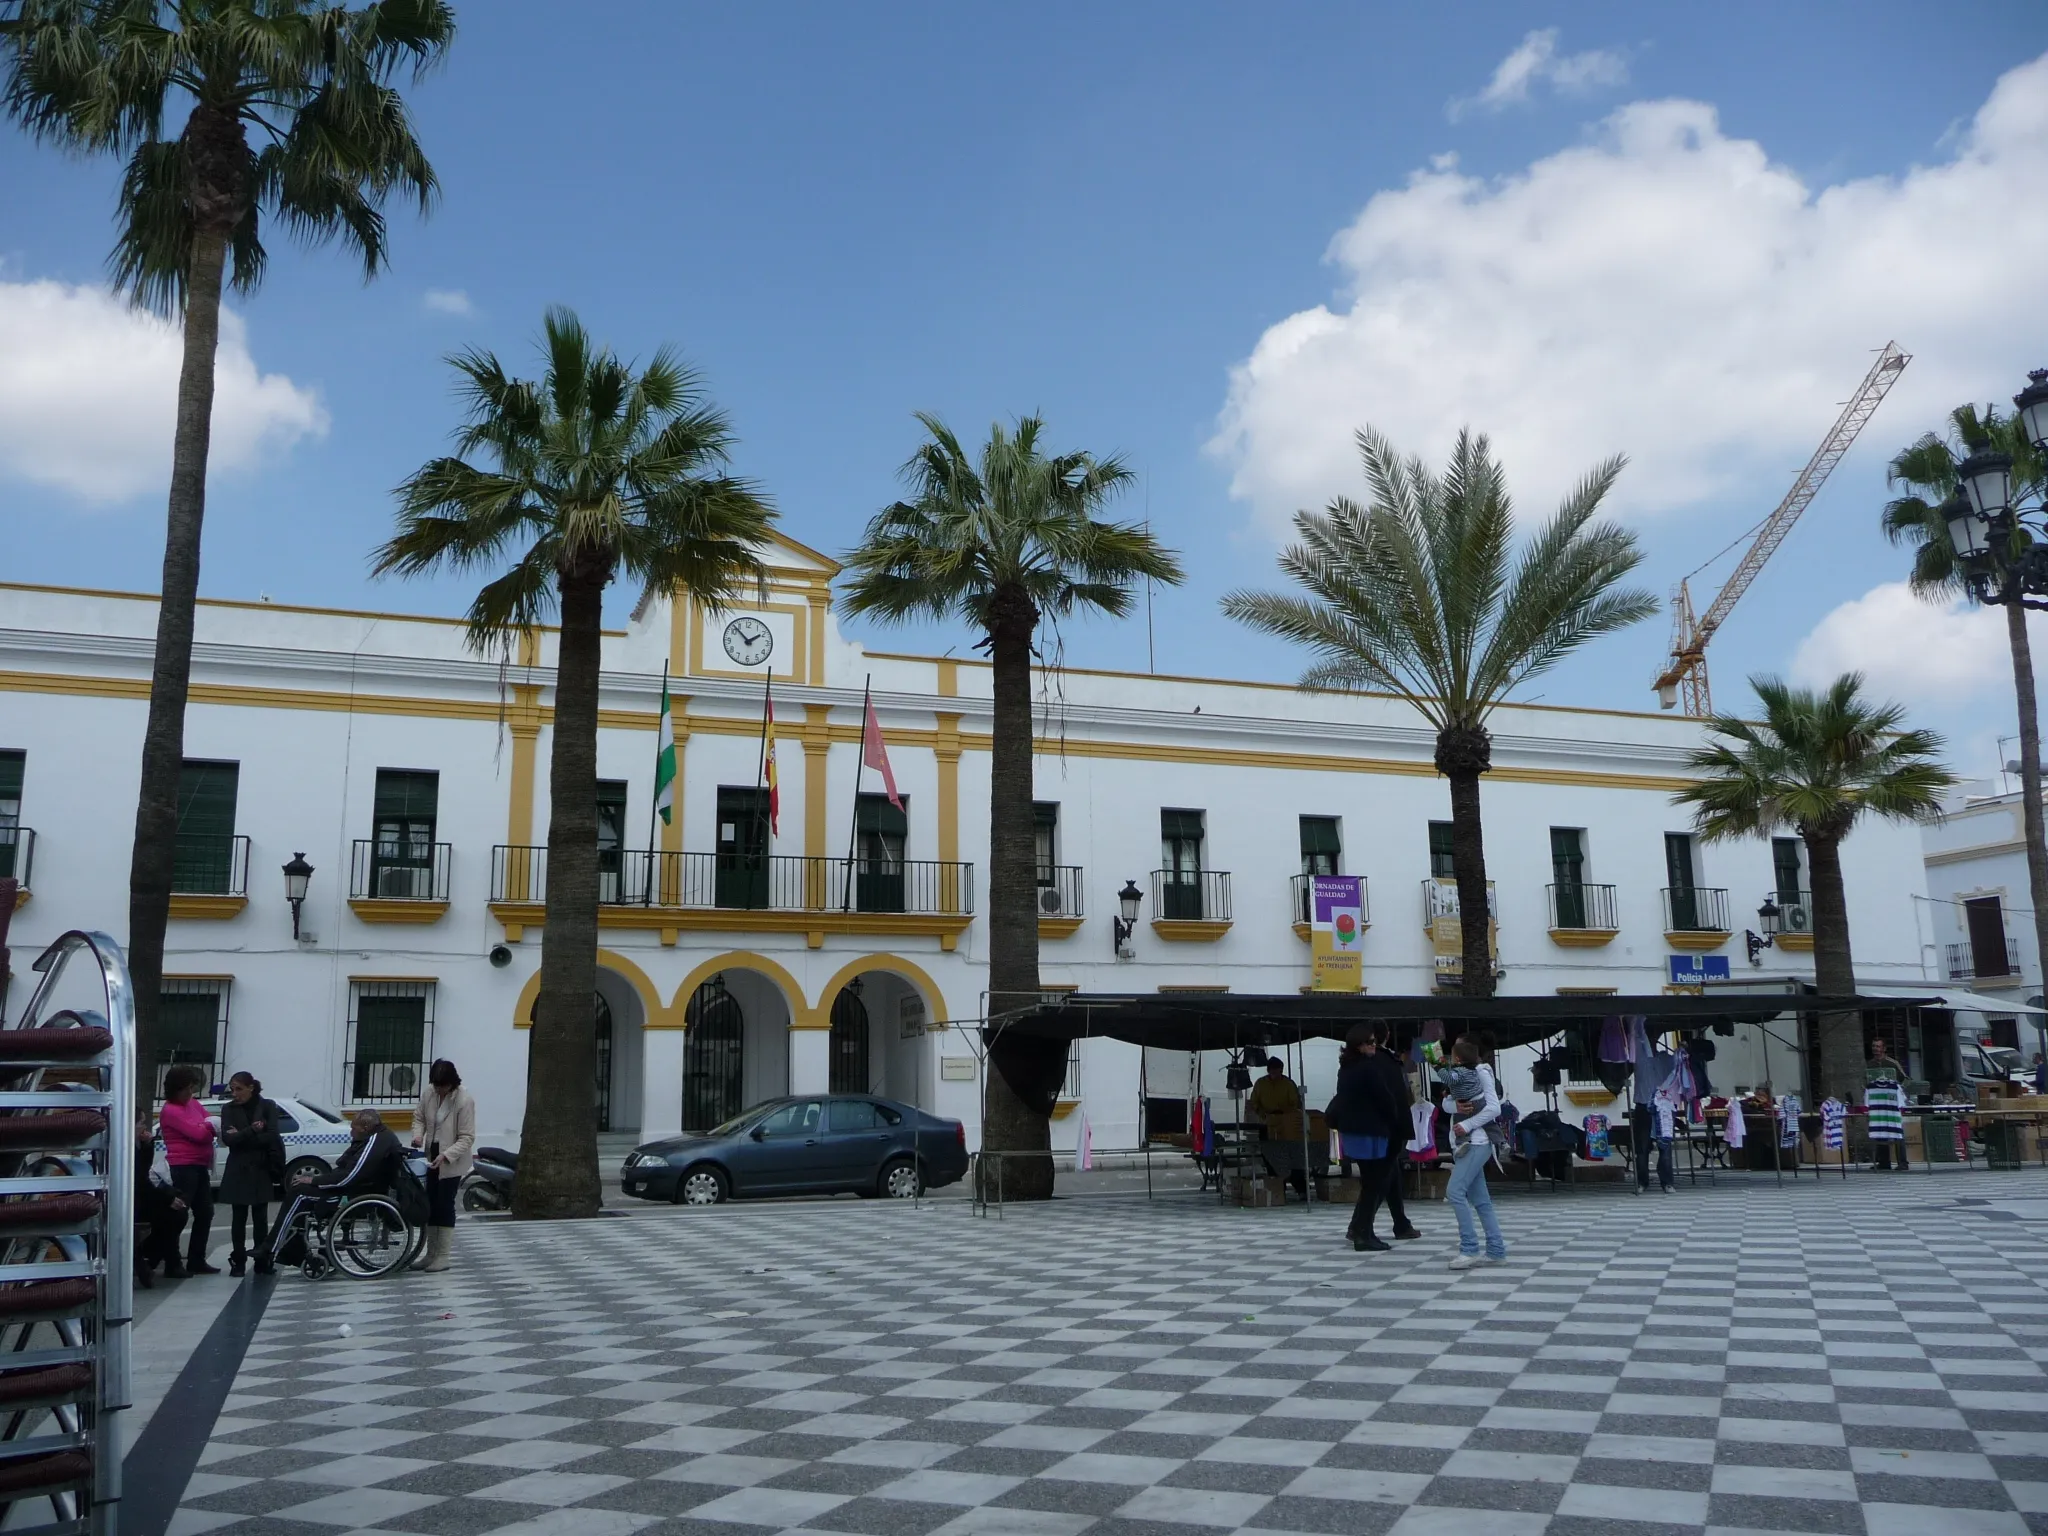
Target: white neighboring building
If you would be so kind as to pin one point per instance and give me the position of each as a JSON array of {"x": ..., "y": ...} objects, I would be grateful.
[
  {"x": 1979, "y": 927},
  {"x": 413, "y": 775}
]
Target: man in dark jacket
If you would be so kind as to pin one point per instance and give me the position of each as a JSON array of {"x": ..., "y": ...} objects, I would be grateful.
[{"x": 368, "y": 1167}]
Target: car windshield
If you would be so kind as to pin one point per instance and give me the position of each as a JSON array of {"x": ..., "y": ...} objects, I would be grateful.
[
  {"x": 2001, "y": 1058},
  {"x": 740, "y": 1121},
  {"x": 318, "y": 1113}
]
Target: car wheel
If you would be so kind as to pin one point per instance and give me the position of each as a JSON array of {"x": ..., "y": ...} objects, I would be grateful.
[
  {"x": 900, "y": 1180},
  {"x": 702, "y": 1185},
  {"x": 303, "y": 1168}
]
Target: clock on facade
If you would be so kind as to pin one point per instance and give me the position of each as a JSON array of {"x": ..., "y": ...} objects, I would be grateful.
[{"x": 748, "y": 641}]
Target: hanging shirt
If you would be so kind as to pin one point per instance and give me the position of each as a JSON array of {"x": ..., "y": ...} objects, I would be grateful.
[
  {"x": 1614, "y": 1040},
  {"x": 1595, "y": 1127},
  {"x": 1833, "y": 1112},
  {"x": 1422, "y": 1121},
  {"x": 1886, "y": 1104},
  {"x": 1788, "y": 1120},
  {"x": 1736, "y": 1130}
]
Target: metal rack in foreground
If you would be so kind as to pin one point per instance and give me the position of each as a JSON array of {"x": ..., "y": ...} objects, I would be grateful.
[{"x": 67, "y": 1268}]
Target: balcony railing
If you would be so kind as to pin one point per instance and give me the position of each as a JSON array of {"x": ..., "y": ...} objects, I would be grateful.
[
  {"x": 207, "y": 865},
  {"x": 18, "y": 854},
  {"x": 1303, "y": 898},
  {"x": 384, "y": 870},
  {"x": 1966, "y": 962},
  {"x": 1695, "y": 909},
  {"x": 1440, "y": 899},
  {"x": 1583, "y": 906},
  {"x": 634, "y": 877},
  {"x": 1191, "y": 895},
  {"x": 1059, "y": 891}
]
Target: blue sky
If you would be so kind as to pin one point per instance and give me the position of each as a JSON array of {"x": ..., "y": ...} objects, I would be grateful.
[{"x": 843, "y": 215}]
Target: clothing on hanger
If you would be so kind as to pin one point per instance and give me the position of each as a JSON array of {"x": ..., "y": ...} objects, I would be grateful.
[
  {"x": 1595, "y": 1127},
  {"x": 1788, "y": 1120},
  {"x": 1422, "y": 1120},
  {"x": 1886, "y": 1103},
  {"x": 1699, "y": 1051},
  {"x": 1833, "y": 1113},
  {"x": 1614, "y": 1040},
  {"x": 1735, "y": 1130}
]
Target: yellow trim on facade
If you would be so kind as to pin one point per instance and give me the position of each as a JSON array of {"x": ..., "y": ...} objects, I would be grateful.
[
  {"x": 949, "y": 678},
  {"x": 21, "y": 895},
  {"x": 1059, "y": 927},
  {"x": 1584, "y": 938},
  {"x": 816, "y": 737},
  {"x": 651, "y": 1006},
  {"x": 1698, "y": 940},
  {"x": 1976, "y": 851},
  {"x": 379, "y": 909},
  {"x": 800, "y": 615},
  {"x": 740, "y": 960},
  {"x": 1303, "y": 930},
  {"x": 411, "y": 981},
  {"x": 671, "y": 922},
  {"x": 206, "y": 908},
  {"x": 1798, "y": 943},
  {"x": 1192, "y": 988},
  {"x": 1191, "y": 930},
  {"x": 907, "y": 970}
]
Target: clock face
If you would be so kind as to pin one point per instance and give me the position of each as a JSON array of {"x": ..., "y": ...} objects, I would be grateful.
[{"x": 748, "y": 641}]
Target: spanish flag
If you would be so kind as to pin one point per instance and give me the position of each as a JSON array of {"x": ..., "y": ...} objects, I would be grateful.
[{"x": 768, "y": 770}]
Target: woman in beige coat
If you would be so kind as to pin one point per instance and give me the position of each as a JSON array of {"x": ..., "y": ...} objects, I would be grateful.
[{"x": 445, "y": 1129}]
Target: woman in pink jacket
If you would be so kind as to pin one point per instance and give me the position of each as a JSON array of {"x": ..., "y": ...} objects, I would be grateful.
[{"x": 188, "y": 1148}]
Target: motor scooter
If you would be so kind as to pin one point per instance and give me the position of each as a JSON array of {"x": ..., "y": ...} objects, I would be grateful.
[{"x": 489, "y": 1185}]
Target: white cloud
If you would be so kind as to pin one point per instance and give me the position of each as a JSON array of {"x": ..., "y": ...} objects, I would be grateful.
[
  {"x": 1909, "y": 649},
  {"x": 447, "y": 301},
  {"x": 88, "y": 394},
  {"x": 1537, "y": 61},
  {"x": 1663, "y": 290}
]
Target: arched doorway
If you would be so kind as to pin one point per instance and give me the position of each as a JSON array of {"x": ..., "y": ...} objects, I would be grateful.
[
  {"x": 714, "y": 1044},
  {"x": 851, "y": 1041}
]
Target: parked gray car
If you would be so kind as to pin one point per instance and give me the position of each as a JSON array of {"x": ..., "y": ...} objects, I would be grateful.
[{"x": 818, "y": 1144}]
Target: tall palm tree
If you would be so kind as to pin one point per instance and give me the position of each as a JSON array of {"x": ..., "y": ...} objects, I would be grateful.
[
  {"x": 1423, "y": 594},
  {"x": 589, "y": 473},
  {"x": 310, "y": 84},
  {"x": 1003, "y": 542},
  {"x": 1818, "y": 762},
  {"x": 1927, "y": 472}
]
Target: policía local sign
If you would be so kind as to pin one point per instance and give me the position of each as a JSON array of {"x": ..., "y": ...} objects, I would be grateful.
[
  {"x": 1336, "y": 939},
  {"x": 1697, "y": 970}
]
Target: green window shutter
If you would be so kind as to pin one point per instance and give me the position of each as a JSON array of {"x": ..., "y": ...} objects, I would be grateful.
[
  {"x": 12, "y": 766},
  {"x": 1785, "y": 864},
  {"x": 188, "y": 1024},
  {"x": 874, "y": 815},
  {"x": 1678, "y": 865},
  {"x": 1045, "y": 814},
  {"x": 204, "y": 855},
  {"x": 391, "y": 1029},
  {"x": 1319, "y": 836},
  {"x": 1568, "y": 855},
  {"x": 408, "y": 795},
  {"x": 1180, "y": 826}
]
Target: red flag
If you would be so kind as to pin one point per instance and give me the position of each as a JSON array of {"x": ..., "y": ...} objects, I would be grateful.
[
  {"x": 768, "y": 772},
  {"x": 876, "y": 756}
]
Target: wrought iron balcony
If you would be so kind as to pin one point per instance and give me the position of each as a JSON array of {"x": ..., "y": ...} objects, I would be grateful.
[
  {"x": 1971, "y": 962},
  {"x": 634, "y": 877},
  {"x": 1578, "y": 906},
  {"x": 18, "y": 854},
  {"x": 204, "y": 864},
  {"x": 1440, "y": 899},
  {"x": 1059, "y": 891},
  {"x": 1191, "y": 896},
  {"x": 399, "y": 870},
  {"x": 1302, "y": 903},
  {"x": 1696, "y": 909}
]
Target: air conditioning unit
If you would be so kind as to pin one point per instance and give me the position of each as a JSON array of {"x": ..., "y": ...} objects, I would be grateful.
[
  {"x": 391, "y": 1080},
  {"x": 1797, "y": 917},
  {"x": 1050, "y": 902},
  {"x": 402, "y": 882}
]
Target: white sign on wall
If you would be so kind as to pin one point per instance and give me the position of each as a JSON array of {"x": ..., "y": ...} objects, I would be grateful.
[
  {"x": 956, "y": 1069},
  {"x": 910, "y": 1015}
]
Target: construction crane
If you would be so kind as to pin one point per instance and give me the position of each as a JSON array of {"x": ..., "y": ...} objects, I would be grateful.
[{"x": 1685, "y": 676}]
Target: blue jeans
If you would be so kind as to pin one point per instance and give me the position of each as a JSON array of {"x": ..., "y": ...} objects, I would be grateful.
[{"x": 1468, "y": 1195}]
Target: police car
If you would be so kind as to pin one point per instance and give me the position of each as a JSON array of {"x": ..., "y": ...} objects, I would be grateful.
[{"x": 314, "y": 1138}]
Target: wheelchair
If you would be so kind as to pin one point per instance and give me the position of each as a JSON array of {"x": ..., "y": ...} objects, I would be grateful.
[{"x": 364, "y": 1237}]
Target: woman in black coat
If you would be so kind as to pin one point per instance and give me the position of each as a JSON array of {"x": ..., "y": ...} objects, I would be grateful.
[
  {"x": 249, "y": 1125},
  {"x": 1367, "y": 1117},
  {"x": 1396, "y": 1078}
]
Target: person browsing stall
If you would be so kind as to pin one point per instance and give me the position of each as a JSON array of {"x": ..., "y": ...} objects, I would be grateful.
[{"x": 1273, "y": 1095}]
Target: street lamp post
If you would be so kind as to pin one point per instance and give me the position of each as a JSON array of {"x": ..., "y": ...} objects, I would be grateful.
[{"x": 2000, "y": 539}]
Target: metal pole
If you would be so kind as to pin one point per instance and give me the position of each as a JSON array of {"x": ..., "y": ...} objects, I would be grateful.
[
  {"x": 853, "y": 822},
  {"x": 651, "y": 799},
  {"x": 760, "y": 799}
]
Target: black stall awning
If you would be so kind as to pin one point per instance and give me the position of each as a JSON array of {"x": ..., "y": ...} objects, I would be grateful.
[{"x": 1231, "y": 1021}]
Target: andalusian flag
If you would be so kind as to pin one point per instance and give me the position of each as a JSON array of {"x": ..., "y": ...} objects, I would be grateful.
[{"x": 665, "y": 756}]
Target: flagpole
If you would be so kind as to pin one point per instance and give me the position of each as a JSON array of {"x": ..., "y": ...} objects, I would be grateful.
[
  {"x": 760, "y": 780},
  {"x": 853, "y": 827},
  {"x": 654, "y": 798}
]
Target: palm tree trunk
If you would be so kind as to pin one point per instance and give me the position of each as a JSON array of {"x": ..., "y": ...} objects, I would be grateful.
[
  {"x": 558, "y": 1141},
  {"x": 1834, "y": 969},
  {"x": 163, "y": 737},
  {"x": 1463, "y": 753},
  {"x": 2030, "y": 781},
  {"x": 1024, "y": 1076}
]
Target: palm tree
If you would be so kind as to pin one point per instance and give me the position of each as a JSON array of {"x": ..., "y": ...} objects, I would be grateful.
[
  {"x": 1423, "y": 595},
  {"x": 1004, "y": 543},
  {"x": 1927, "y": 471},
  {"x": 1818, "y": 762},
  {"x": 589, "y": 473},
  {"x": 310, "y": 83}
]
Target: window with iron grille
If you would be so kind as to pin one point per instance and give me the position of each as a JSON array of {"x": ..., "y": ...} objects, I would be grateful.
[
  {"x": 1045, "y": 838},
  {"x": 203, "y": 856},
  {"x": 1785, "y": 867},
  {"x": 390, "y": 1040},
  {"x": 12, "y": 765},
  {"x": 408, "y": 809},
  {"x": 192, "y": 1026}
]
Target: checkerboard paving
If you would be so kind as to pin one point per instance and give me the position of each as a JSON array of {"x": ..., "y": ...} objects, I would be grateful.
[{"x": 1863, "y": 1357}]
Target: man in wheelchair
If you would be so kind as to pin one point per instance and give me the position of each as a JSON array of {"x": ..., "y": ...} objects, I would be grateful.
[{"x": 369, "y": 1167}]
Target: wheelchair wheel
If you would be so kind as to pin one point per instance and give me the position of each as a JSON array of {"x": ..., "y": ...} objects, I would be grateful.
[{"x": 368, "y": 1239}]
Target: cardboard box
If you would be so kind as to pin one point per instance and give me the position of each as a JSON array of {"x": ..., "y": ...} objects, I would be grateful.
[
  {"x": 1256, "y": 1193},
  {"x": 1337, "y": 1191}
]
